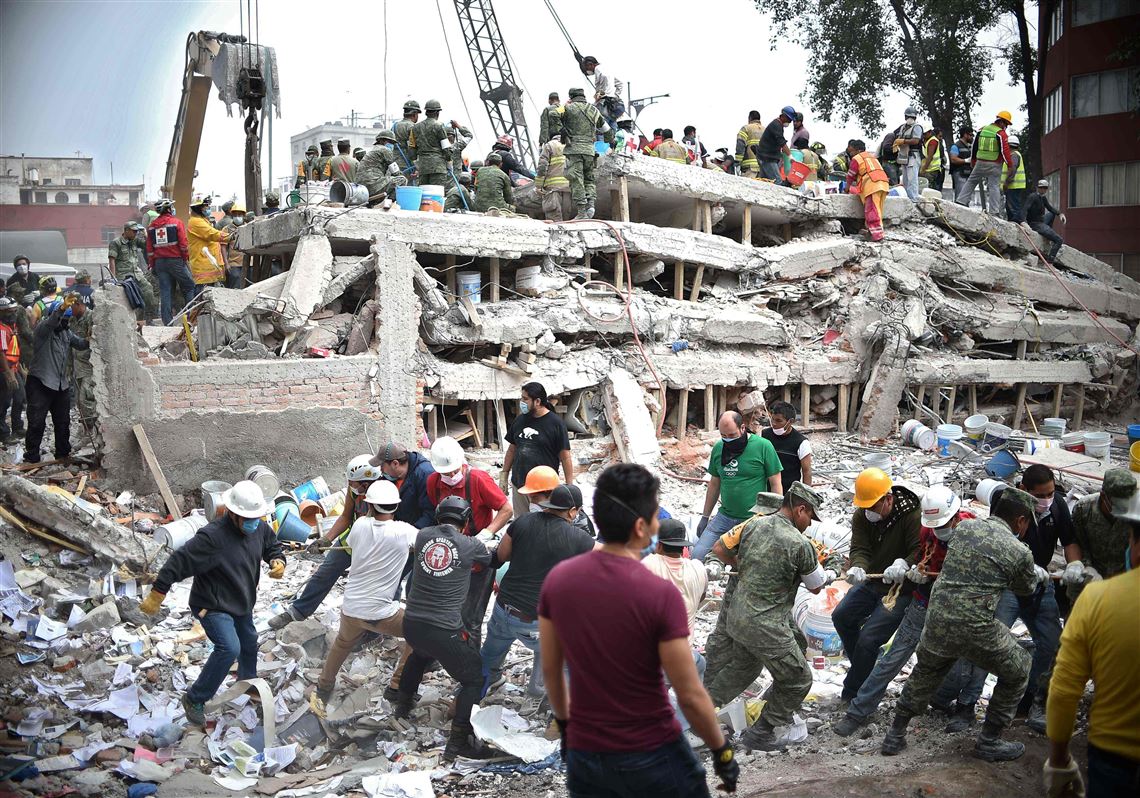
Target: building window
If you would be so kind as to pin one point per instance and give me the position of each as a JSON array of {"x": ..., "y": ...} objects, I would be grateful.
[
  {"x": 84, "y": 199},
  {"x": 46, "y": 181},
  {"x": 1102, "y": 93},
  {"x": 1054, "y": 193},
  {"x": 1113, "y": 259},
  {"x": 1053, "y": 110},
  {"x": 61, "y": 197},
  {"x": 110, "y": 234},
  {"x": 1131, "y": 265},
  {"x": 1056, "y": 24},
  {"x": 1086, "y": 12},
  {"x": 40, "y": 197},
  {"x": 73, "y": 181},
  {"x": 1104, "y": 185}
]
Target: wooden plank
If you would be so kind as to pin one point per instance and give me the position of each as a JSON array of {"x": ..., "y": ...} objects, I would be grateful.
[
  {"x": 698, "y": 215},
  {"x": 682, "y": 410},
  {"x": 696, "y": 293},
  {"x": 500, "y": 423},
  {"x": 950, "y": 404},
  {"x": 853, "y": 412},
  {"x": 38, "y": 531},
  {"x": 706, "y": 218},
  {"x": 787, "y": 393},
  {"x": 471, "y": 418},
  {"x": 746, "y": 226},
  {"x": 936, "y": 403},
  {"x": 619, "y": 272},
  {"x": 623, "y": 199},
  {"x": 805, "y": 403},
  {"x": 615, "y": 202},
  {"x": 472, "y": 312},
  {"x": 918, "y": 402},
  {"x": 973, "y": 400},
  {"x": 450, "y": 266},
  {"x": 710, "y": 412},
  {"x": 1019, "y": 403},
  {"x": 679, "y": 280},
  {"x": 787, "y": 231},
  {"x": 156, "y": 471},
  {"x": 844, "y": 397},
  {"x": 433, "y": 423},
  {"x": 1079, "y": 413},
  {"x": 495, "y": 279},
  {"x": 1058, "y": 392}
]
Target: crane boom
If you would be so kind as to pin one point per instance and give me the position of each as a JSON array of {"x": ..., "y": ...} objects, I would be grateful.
[{"x": 497, "y": 88}]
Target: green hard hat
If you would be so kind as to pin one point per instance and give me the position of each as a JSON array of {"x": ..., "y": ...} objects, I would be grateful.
[
  {"x": 433, "y": 105},
  {"x": 411, "y": 105},
  {"x": 385, "y": 135}
]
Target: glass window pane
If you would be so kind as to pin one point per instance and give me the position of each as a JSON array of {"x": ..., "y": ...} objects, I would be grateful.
[
  {"x": 1132, "y": 184},
  {"x": 1085, "y": 95},
  {"x": 1131, "y": 266},
  {"x": 1082, "y": 185},
  {"x": 1085, "y": 11},
  {"x": 1111, "y": 184},
  {"x": 1113, "y": 91}
]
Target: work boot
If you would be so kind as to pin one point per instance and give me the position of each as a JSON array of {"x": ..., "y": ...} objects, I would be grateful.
[
  {"x": 496, "y": 681},
  {"x": 583, "y": 209},
  {"x": 847, "y": 725},
  {"x": 961, "y": 719},
  {"x": 590, "y": 211},
  {"x": 392, "y": 695},
  {"x": 1036, "y": 719},
  {"x": 282, "y": 619},
  {"x": 992, "y": 748},
  {"x": 405, "y": 703},
  {"x": 195, "y": 713},
  {"x": 462, "y": 742},
  {"x": 895, "y": 741},
  {"x": 761, "y": 736}
]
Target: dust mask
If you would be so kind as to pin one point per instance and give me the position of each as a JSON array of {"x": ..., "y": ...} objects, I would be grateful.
[
  {"x": 523, "y": 407},
  {"x": 779, "y": 430},
  {"x": 250, "y": 525},
  {"x": 1044, "y": 505},
  {"x": 452, "y": 479},
  {"x": 22, "y": 269},
  {"x": 872, "y": 516}
]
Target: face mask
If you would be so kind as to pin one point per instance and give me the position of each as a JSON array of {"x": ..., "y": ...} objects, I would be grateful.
[
  {"x": 779, "y": 430},
  {"x": 944, "y": 533},
  {"x": 357, "y": 491},
  {"x": 452, "y": 479},
  {"x": 1044, "y": 505},
  {"x": 22, "y": 269},
  {"x": 390, "y": 478},
  {"x": 237, "y": 219},
  {"x": 524, "y": 407},
  {"x": 872, "y": 516},
  {"x": 730, "y": 440},
  {"x": 250, "y": 525}
]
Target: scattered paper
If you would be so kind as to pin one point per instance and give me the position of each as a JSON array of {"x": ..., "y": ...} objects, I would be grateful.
[
  {"x": 144, "y": 770},
  {"x": 28, "y": 657},
  {"x": 325, "y": 787},
  {"x": 75, "y": 616},
  {"x": 489, "y": 726},
  {"x": 49, "y": 630},
  {"x": 7, "y": 578},
  {"x": 54, "y": 763},
  {"x": 124, "y": 674},
  {"x": 124, "y": 703},
  {"x": 232, "y": 781},
  {"x": 409, "y": 784},
  {"x": 273, "y": 760}
]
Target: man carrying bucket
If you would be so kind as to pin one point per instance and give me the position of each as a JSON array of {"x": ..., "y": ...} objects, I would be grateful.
[{"x": 224, "y": 558}]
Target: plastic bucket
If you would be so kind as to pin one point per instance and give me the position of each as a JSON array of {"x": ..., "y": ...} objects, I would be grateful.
[
  {"x": 283, "y": 505},
  {"x": 1053, "y": 427},
  {"x": 348, "y": 193},
  {"x": 1098, "y": 444},
  {"x": 409, "y": 197},
  {"x": 798, "y": 173},
  {"x": 812, "y": 614},
  {"x": 1073, "y": 441},
  {"x": 601, "y": 147},
  {"x": 310, "y": 511},
  {"x": 1134, "y": 456},
  {"x": 212, "y": 492},
  {"x": 266, "y": 480},
  {"x": 175, "y": 534},
  {"x": 995, "y": 437},
  {"x": 1003, "y": 465},
  {"x": 314, "y": 489},
  {"x": 946, "y": 434},
  {"x": 333, "y": 504},
  {"x": 916, "y": 434},
  {"x": 1034, "y": 445},
  {"x": 975, "y": 426},
  {"x": 1133, "y": 433},
  {"x": 878, "y": 460},
  {"x": 985, "y": 490},
  {"x": 431, "y": 200},
  {"x": 470, "y": 285},
  {"x": 293, "y": 529}
]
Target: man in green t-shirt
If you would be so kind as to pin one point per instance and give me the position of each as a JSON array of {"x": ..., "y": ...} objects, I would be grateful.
[{"x": 740, "y": 466}]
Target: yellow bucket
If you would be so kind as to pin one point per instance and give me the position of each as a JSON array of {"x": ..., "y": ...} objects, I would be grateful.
[{"x": 1134, "y": 452}]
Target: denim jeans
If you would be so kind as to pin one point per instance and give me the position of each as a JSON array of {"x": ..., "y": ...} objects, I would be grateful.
[
  {"x": 319, "y": 584},
  {"x": 770, "y": 170},
  {"x": 502, "y": 631},
  {"x": 13, "y": 398},
  {"x": 717, "y": 526},
  {"x": 1042, "y": 618},
  {"x": 964, "y": 683},
  {"x": 234, "y": 638},
  {"x": 671, "y": 771},
  {"x": 1112, "y": 775},
  {"x": 1013, "y": 197},
  {"x": 169, "y": 271},
  {"x": 988, "y": 175},
  {"x": 864, "y": 625},
  {"x": 909, "y": 174},
  {"x": 701, "y": 663}
]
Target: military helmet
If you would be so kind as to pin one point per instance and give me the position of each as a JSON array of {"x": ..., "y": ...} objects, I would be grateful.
[
  {"x": 312, "y": 150},
  {"x": 385, "y": 135},
  {"x": 495, "y": 158},
  {"x": 272, "y": 198},
  {"x": 411, "y": 106},
  {"x": 433, "y": 105}
]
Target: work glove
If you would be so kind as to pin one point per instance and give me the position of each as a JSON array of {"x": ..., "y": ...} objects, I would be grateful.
[
  {"x": 562, "y": 726},
  {"x": 829, "y": 576},
  {"x": 895, "y": 572},
  {"x": 701, "y": 526},
  {"x": 714, "y": 568},
  {"x": 1074, "y": 574},
  {"x": 1092, "y": 574},
  {"x": 485, "y": 535},
  {"x": 917, "y": 576},
  {"x": 69, "y": 300},
  {"x": 1063, "y": 782},
  {"x": 318, "y": 546},
  {"x": 856, "y": 575},
  {"x": 1042, "y": 575},
  {"x": 726, "y": 767},
  {"x": 152, "y": 602},
  {"x": 276, "y": 569},
  {"x": 1064, "y": 219}
]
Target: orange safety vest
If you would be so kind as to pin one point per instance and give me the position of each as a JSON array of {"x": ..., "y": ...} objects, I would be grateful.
[
  {"x": 10, "y": 344},
  {"x": 869, "y": 170}
]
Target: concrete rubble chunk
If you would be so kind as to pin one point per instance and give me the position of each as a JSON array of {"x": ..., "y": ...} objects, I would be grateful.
[
  {"x": 102, "y": 617},
  {"x": 633, "y": 429},
  {"x": 309, "y": 276}
]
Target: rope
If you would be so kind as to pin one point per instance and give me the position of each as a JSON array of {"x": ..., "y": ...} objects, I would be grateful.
[
  {"x": 561, "y": 27},
  {"x": 450, "y": 60},
  {"x": 385, "y": 61}
]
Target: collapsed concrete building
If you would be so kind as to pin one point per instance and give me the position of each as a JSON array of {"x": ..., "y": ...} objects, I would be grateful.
[{"x": 718, "y": 286}]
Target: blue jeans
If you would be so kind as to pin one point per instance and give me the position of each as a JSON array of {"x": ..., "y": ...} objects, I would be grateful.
[
  {"x": 864, "y": 625},
  {"x": 234, "y": 638},
  {"x": 717, "y": 526},
  {"x": 503, "y": 630},
  {"x": 770, "y": 170},
  {"x": 671, "y": 771},
  {"x": 700, "y": 661},
  {"x": 319, "y": 584},
  {"x": 1112, "y": 775},
  {"x": 909, "y": 175},
  {"x": 169, "y": 271},
  {"x": 1013, "y": 198},
  {"x": 963, "y": 683},
  {"x": 1042, "y": 618}
]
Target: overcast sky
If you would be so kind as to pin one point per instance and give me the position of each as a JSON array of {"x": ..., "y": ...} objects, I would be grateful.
[{"x": 104, "y": 78}]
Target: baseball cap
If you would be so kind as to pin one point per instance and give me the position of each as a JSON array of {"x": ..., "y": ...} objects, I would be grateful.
[
  {"x": 767, "y": 503},
  {"x": 560, "y": 499},
  {"x": 673, "y": 533},
  {"x": 576, "y": 494},
  {"x": 390, "y": 451},
  {"x": 1119, "y": 486},
  {"x": 802, "y": 491}
]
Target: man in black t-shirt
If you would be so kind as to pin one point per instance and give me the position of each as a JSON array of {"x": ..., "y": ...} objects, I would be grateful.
[
  {"x": 773, "y": 147},
  {"x": 537, "y": 437},
  {"x": 791, "y": 446}
]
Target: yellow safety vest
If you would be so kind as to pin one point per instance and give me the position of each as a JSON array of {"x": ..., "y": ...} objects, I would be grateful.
[
  {"x": 1018, "y": 176},
  {"x": 989, "y": 143},
  {"x": 555, "y": 177},
  {"x": 750, "y": 134},
  {"x": 936, "y": 159},
  {"x": 10, "y": 343}
]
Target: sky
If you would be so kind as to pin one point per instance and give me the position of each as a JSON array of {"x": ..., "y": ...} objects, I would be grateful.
[{"x": 104, "y": 77}]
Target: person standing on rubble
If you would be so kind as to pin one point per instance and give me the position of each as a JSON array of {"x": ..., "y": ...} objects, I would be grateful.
[
  {"x": 342, "y": 166},
  {"x": 433, "y": 620},
  {"x": 307, "y": 169},
  {"x": 224, "y": 558},
  {"x": 747, "y": 139},
  {"x": 773, "y": 148},
  {"x": 1100, "y": 536},
  {"x": 989, "y": 153},
  {"x": 205, "y": 244},
  {"x": 405, "y": 149},
  {"x": 322, "y": 166},
  {"x": 48, "y": 386},
  {"x": 933, "y": 160},
  {"x": 493, "y": 187},
  {"x": 1040, "y": 215},
  {"x": 1013, "y": 181},
  {"x": 907, "y": 148},
  {"x": 793, "y": 449},
  {"x": 960, "y": 161},
  {"x": 670, "y": 150},
  {"x": 884, "y": 540},
  {"x": 551, "y": 182},
  {"x": 83, "y": 373},
  {"x": 379, "y": 546},
  {"x": 125, "y": 259},
  {"x": 697, "y": 153},
  {"x": 620, "y": 629},
  {"x": 867, "y": 178},
  {"x": 12, "y": 386},
  {"x": 538, "y": 436},
  {"x": 410, "y": 471},
  {"x": 941, "y": 513},
  {"x": 583, "y": 124},
  {"x": 235, "y": 258},
  {"x": 987, "y": 557},
  {"x": 550, "y": 122},
  {"x": 460, "y": 137},
  {"x": 740, "y": 466},
  {"x": 429, "y": 139}
]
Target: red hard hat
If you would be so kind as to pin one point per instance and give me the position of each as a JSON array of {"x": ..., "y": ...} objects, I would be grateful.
[{"x": 506, "y": 141}]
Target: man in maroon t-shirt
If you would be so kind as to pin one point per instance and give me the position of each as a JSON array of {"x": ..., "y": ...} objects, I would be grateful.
[{"x": 617, "y": 625}]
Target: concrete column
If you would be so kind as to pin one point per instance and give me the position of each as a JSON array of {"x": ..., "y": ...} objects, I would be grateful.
[{"x": 397, "y": 320}]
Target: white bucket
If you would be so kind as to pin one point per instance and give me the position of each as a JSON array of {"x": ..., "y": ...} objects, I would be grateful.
[
  {"x": 975, "y": 426},
  {"x": 986, "y": 488},
  {"x": 175, "y": 534},
  {"x": 812, "y": 614},
  {"x": 212, "y": 492},
  {"x": 266, "y": 480},
  {"x": 878, "y": 460},
  {"x": 469, "y": 284},
  {"x": 996, "y": 436},
  {"x": 1053, "y": 427},
  {"x": 1098, "y": 444},
  {"x": 526, "y": 278},
  {"x": 331, "y": 503},
  {"x": 915, "y": 433},
  {"x": 947, "y": 433}
]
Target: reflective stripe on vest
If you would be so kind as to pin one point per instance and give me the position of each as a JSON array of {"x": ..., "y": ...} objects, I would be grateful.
[
  {"x": 936, "y": 159},
  {"x": 1018, "y": 176},
  {"x": 556, "y": 173},
  {"x": 869, "y": 168},
  {"x": 989, "y": 144},
  {"x": 751, "y": 138},
  {"x": 12, "y": 347}
]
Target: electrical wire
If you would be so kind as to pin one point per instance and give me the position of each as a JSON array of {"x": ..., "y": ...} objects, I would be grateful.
[
  {"x": 451, "y": 60},
  {"x": 561, "y": 27},
  {"x": 385, "y": 62}
]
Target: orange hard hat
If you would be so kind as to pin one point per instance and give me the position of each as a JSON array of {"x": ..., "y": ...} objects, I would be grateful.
[
  {"x": 870, "y": 486},
  {"x": 540, "y": 479}
]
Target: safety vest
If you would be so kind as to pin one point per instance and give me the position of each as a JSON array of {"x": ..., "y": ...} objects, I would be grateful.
[
  {"x": 670, "y": 150},
  {"x": 10, "y": 344},
  {"x": 869, "y": 170},
  {"x": 989, "y": 143},
  {"x": 1018, "y": 176},
  {"x": 936, "y": 159},
  {"x": 750, "y": 134},
  {"x": 555, "y": 177}
]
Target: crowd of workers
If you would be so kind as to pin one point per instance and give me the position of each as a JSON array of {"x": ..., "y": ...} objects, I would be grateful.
[{"x": 607, "y": 601}]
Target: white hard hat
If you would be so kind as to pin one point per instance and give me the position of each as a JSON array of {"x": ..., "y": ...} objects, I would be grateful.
[
  {"x": 360, "y": 469},
  {"x": 384, "y": 493},
  {"x": 939, "y": 505},
  {"x": 247, "y": 500},
  {"x": 1014, "y": 141},
  {"x": 447, "y": 455}
]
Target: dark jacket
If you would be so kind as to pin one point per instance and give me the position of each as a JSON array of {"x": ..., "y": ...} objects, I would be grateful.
[
  {"x": 512, "y": 165},
  {"x": 226, "y": 566},
  {"x": 1035, "y": 206},
  {"x": 1045, "y": 532},
  {"x": 51, "y": 360},
  {"x": 415, "y": 506},
  {"x": 875, "y": 546},
  {"x": 20, "y": 286}
]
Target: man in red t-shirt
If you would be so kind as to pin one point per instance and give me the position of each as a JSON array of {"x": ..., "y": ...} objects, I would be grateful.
[{"x": 617, "y": 625}]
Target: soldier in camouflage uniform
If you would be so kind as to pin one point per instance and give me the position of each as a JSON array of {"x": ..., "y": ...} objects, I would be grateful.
[
  {"x": 307, "y": 169},
  {"x": 83, "y": 372},
  {"x": 379, "y": 171},
  {"x": 342, "y": 166},
  {"x": 551, "y": 120},
  {"x": 405, "y": 149},
  {"x": 493, "y": 187},
  {"x": 126, "y": 258},
  {"x": 775, "y": 557},
  {"x": 458, "y": 198},
  {"x": 986, "y": 557},
  {"x": 460, "y": 137},
  {"x": 1099, "y": 532},
  {"x": 583, "y": 122},
  {"x": 322, "y": 166},
  {"x": 428, "y": 138}
]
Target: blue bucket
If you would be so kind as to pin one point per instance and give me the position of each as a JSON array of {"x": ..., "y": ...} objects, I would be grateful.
[
  {"x": 285, "y": 504},
  {"x": 1003, "y": 465},
  {"x": 293, "y": 529},
  {"x": 313, "y": 490},
  {"x": 1133, "y": 433},
  {"x": 409, "y": 197}
]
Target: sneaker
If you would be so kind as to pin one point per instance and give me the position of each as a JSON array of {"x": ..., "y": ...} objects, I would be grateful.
[
  {"x": 761, "y": 737},
  {"x": 392, "y": 695},
  {"x": 894, "y": 742},
  {"x": 403, "y": 706},
  {"x": 462, "y": 743},
  {"x": 496, "y": 682},
  {"x": 195, "y": 713},
  {"x": 961, "y": 719},
  {"x": 1036, "y": 719},
  {"x": 282, "y": 619},
  {"x": 993, "y": 748},
  {"x": 847, "y": 725},
  {"x": 533, "y": 705}
]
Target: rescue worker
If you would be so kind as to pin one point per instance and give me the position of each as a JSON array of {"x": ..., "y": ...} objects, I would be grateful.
[
  {"x": 960, "y": 161},
  {"x": 551, "y": 182},
  {"x": 125, "y": 259},
  {"x": 583, "y": 124},
  {"x": 810, "y": 160},
  {"x": 625, "y": 140},
  {"x": 772, "y": 148},
  {"x": 322, "y": 166},
  {"x": 235, "y": 258},
  {"x": 550, "y": 122},
  {"x": 22, "y": 281},
  {"x": 358, "y": 154},
  {"x": 308, "y": 169},
  {"x": 83, "y": 373},
  {"x": 342, "y": 166},
  {"x": 225, "y": 217},
  {"x": 380, "y": 172},
  {"x": 429, "y": 140},
  {"x": 989, "y": 152},
  {"x": 205, "y": 244},
  {"x": 907, "y": 148},
  {"x": 405, "y": 150},
  {"x": 1013, "y": 181},
  {"x": 168, "y": 251},
  {"x": 670, "y": 150},
  {"x": 747, "y": 139},
  {"x": 866, "y": 177},
  {"x": 11, "y": 375},
  {"x": 842, "y": 163},
  {"x": 1040, "y": 215},
  {"x": 933, "y": 164},
  {"x": 511, "y": 165},
  {"x": 987, "y": 557},
  {"x": 608, "y": 103},
  {"x": 460, "y": 137},
  {"x": 459, "y": 197},
  {"x": 493, "y": 187},
  {"x": 49, "y": 381},
  {"x": 49, "y": 292},
  {"x": 1100, "y": 535},
  {"x": 692, "y": 142},
  {"x": 801, "y": 137}
]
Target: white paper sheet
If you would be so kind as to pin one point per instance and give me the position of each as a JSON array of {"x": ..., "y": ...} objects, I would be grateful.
[
  {"x": 75, "y": 616},
  {"x": 49, "y": 630},
  {"x": 124, "y": 674},
  {"x": 409, "y": 784},
  {"x": 489, "y": 726}
]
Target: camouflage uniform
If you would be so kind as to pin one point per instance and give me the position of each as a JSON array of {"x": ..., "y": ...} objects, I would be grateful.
[
  {"x": 343, "y": 167},
  {"x": 373, "y": 172},
  {"x": 493, "y": 189},
  {"x": 129, "y": 262},
  {"x": 431, "y": 161},
  {"x": 322, "y": 165},
  {"x": 550, "y": 123},
  {"x": 405, "y": 149},
  {"x": 1103, "y": 541},
  {"x": 458, "y": 198},
  {"x": 460, "y": 138},
  {"x": 307, "y": 170},
  {"x": 82, "y": 370},
  {"x": 583, "y": 122},
  {"x": 984, "y": 559}
]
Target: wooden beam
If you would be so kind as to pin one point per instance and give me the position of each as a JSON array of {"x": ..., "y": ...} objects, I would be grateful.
[
  {"x": 787, "y": 393},
  {"x": 950, "y": 404},
  {"x": 472, "y": 420},
  {"x": 156, "y": 471},
  {"x": 500, "y": 424},
  {"x": 695, "y": 295},
  {"x": 679, "y": 280},
  {"x": 853, "y": 412},
  {"x": 710, "y": 410},
  {"x": 919, "y": 399},
  {"x": 619, "y": 272},
  {"x": 844, "y": 398},
  {"x": 495, "y": 279},
  {"x": 1079, "y": 413},
  {"x": 746, "y": 225},
  {"x": 973, "y": 399},
  {"x": 433, "y": 422},
  {"x": 706, "y": 219},
  {"x": 805, "y": 404},
  {"x": 722, "y": 400},
  {"x": 936, "y": 403},
  {"x": 623, "y": 199},
  {"x": 1058, "y": 392},
  {"x": 682, "y": 410},
  {"x": 698, "y": 215},
  {"x": 1019, "y": 403},
  {"x": 450, "y": 267},
  {"x": 787, "y": 231}
]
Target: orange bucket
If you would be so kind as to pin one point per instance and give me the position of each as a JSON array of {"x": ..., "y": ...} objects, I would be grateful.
[
  {"x": 310, "y": 510},
  {"x": 799, "y": 173}
]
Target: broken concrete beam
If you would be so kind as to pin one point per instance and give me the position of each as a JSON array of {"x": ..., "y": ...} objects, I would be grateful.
[
  {"x": 805, "y": 258},
  {"x": 885, "y": 388},
  {"x": 347, "y": 269},
  {"x": 633, "y": 429},
  {"x": 737, "y": 327},
  {"x": 396, "y": 320},
  {"x": 309, "y": 276},
  {"x": 78, "y": 525},
  {"x": 1008, "y": 322},
  {"x": 949, "y": 370}
]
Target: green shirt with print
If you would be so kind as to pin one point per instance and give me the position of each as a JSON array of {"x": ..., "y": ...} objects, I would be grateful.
[{"x": 742, "y": 478}]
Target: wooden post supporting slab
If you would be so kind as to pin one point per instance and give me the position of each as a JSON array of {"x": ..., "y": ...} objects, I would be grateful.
[
  {"x": 494, "y": 279},
  {"x": 1079, "y": 413},
  {"x": 450, "y": 275},
  {"x": 844, "y": 398},
  {"x": 918, "y": 402},
  {"x": 623, "y": 199},
  {"x": 1019, "y": 404},
  {"x": 973, "y": 400},
  {"x": 950, "y": 404},
  {"x": 698, "y": 215},
  {"x": 619, "y": 272},
  {"x": 787, "y": 393},
  {"x": 433, "y": 422},
  {"x": 805, "y": 404},
  {"x": 682, "y": 410},
  {"x": 635, "y": 209},
  {"x": 1058, "y": 392},
  {"x": 853, "y": 412},
  {"x": 710, "y": 409},
  {"x": 786, "y": 229},
  {"x": 706, "y": 217},
  {"x": 936, "y": 403},
  {"x": 695, "y": 296},
  {"x": 679, "y": 280},
  {"x": 156, "y": 471},
  {"x": 746, "y": 225}
]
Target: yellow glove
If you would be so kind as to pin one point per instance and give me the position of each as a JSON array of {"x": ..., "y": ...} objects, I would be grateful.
[
  {"x": 152, "y": 602},
  {"x": 277, "y": 569},
  {"x": 70, "y": 299}
]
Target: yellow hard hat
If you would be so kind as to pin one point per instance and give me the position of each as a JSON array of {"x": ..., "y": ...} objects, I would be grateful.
[
  {"x": 200, "y": 199},
  {"x": 870, "y": 486},
  {"x": 540, "y": 479},
  {"x": 1006, "y": 116},
  {"x": 236, "y": 208}
]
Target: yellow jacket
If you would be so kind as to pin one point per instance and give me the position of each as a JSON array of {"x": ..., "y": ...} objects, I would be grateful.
[{"x": 203, "y": 237}]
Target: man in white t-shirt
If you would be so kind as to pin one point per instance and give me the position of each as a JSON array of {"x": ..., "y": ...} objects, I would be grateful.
[{"x": 379, "y": 547}]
